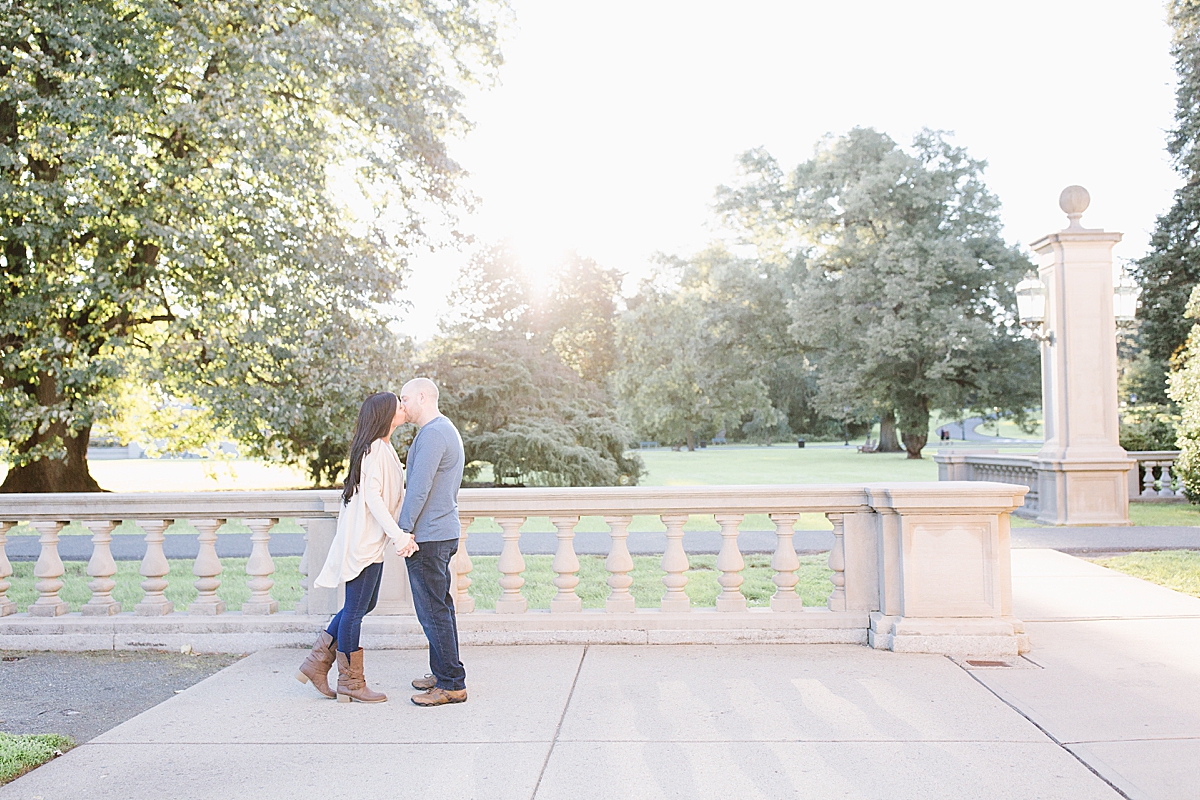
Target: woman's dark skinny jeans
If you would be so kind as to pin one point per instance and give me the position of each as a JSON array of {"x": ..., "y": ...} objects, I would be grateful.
[{"x": 362, "y": 593}]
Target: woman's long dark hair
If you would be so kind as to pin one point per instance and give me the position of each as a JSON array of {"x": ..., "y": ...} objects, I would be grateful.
[{"x": 374, "y": 421}]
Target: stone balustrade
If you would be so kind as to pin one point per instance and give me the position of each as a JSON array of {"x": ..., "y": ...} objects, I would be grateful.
[
  {"x": 1152, "y": 481},
  {"x": 917, "y": 567},
  {"x": 1147, "y": 486}
]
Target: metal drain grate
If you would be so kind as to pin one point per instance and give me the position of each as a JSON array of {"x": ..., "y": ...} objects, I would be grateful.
[{"x": 975, "y": 663}]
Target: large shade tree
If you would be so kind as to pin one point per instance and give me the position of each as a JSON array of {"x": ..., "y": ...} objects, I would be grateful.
[
  {"x": 697, "y": 347},
  {"x": 905, "y": 299},
  {"x": 166, "y": 184}
]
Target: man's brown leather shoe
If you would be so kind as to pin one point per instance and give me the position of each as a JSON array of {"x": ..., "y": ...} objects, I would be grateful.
[
  {"x": 428, "y": 682},
  {"x": 440, "y": 697}
]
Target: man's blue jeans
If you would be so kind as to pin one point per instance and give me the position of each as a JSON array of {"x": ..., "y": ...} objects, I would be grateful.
[{"x": 429, "y": 577}]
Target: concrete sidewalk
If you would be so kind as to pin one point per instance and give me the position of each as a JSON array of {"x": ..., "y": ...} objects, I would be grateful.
[{"x": 1108, "y": 700}]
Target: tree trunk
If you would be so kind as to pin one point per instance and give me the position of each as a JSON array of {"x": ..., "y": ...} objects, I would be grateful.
[
  {"x": 888, "y": 443},
  {"x": 914, "y": 443},
  {"x": 691, "y": 440},
  {"x": 914, "y": 426},
  {"x": 51, "y": 474},
  {"x": 54, "y": 475}
]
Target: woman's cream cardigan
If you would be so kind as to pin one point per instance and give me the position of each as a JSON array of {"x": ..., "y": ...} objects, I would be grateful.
[{"x": 369, "y": 519}]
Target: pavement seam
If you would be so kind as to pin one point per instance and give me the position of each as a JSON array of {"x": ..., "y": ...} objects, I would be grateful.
[
  {"x": 1046, "y": 733},
  {"x": 561, "y": 719}
]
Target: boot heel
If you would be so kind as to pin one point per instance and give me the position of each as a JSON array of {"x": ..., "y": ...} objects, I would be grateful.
[
  {"x": 300, "y": 676},
  {"x": 343, "y": 698}
]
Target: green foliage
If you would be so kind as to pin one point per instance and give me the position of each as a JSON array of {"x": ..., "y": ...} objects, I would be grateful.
[
  {"x": 1148, "y": 427},
  {"x": 696, "y": 344},
  {"x": 523, "y": 377},
  {"x": 167, "y": 168},
  {"x": 1143, "y": 379},
  {"x": 904, "y": 296},
  {"x": 1172, "y": 267},
  {"x": 520, "y": 409},
  {"x": 1184, "y": 389},
  {"x": 21, "y": 753}
]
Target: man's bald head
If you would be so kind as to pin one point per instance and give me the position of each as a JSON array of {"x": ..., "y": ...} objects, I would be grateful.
[{"x": 420, "y": 399}]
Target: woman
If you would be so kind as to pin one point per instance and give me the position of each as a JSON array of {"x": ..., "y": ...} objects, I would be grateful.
[{"x": 371, "y": 497}]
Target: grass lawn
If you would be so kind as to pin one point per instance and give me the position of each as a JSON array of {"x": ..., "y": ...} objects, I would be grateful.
[
  {"x": 814, "y": 585},
  {"x": 647, "y": 588},
  {"x": 19, "y": 754},
  {"x": 180, "y": 590},
  {"x": 1174, "y": 569},
  {"x": 723, "y": 466}
]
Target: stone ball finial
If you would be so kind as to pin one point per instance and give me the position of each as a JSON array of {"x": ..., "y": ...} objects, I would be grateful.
[{"x": 1074, "y": 200}]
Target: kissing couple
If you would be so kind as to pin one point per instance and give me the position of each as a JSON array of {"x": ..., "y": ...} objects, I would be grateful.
[{"x": 420, "y": 522}]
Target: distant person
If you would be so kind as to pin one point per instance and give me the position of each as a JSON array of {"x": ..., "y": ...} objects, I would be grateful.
[
  {"x": 371, "y": 495},
  {"x": 430, "y": 513}
]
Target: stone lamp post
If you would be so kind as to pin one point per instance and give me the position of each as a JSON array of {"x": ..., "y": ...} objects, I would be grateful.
[{"x": 1081, "y": 466}]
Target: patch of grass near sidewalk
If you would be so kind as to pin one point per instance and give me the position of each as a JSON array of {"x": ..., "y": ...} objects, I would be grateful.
[
  {"x": 19, "y": 754},
  {"x": 1165, "y": 514},
  {"x": 1174, "y": 569},
  {"x": 647, "y": 588}
]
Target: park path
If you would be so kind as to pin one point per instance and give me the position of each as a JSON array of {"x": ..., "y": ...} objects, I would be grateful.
[{"x": 1108, "y": 699}]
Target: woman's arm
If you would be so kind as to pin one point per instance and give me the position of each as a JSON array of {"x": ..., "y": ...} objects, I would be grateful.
[{"x": 372, "y": 488}]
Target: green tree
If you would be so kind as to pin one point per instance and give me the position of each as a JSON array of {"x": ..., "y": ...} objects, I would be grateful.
[
  {"x": 1172, "y": 267},
  {"x": 905, "y": 300},
  {"x": 525, "y": 413},
  {"x": 525, "y": 377},
  {"x": 166, "y": 170},
  {"x": 684, "y": 372},
  {"x": 1184, "y": 389}
]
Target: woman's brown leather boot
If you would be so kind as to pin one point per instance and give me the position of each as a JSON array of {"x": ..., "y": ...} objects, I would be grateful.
[
  {"x": 351, "y": 683},
  {"x": 316, "y": 667}
]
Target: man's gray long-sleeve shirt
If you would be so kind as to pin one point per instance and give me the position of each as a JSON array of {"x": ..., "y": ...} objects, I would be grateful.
[{"x": 435, "y": 470}]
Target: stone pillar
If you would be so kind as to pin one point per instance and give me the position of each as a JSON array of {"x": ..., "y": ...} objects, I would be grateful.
[{"x": 1081, "y": 467}]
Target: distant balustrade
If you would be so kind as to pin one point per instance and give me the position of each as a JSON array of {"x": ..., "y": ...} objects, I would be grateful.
[
  {"x": 889, "y": 548},
  {"x": 1154, "y": 480}
]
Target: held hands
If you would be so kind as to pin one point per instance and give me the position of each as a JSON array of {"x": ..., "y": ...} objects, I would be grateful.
[{"x": 405, "y": 548}]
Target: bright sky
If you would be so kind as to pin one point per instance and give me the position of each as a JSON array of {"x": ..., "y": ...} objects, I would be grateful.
[{"x": 614, "y": 122}]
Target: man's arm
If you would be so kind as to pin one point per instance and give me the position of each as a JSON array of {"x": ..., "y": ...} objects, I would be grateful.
[{"x": 423, "y": 461}]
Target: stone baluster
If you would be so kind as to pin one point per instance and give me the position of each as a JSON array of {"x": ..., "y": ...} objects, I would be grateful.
[
  {"x": 463, "y": 602},
  {"x": 1167, "y": 489},
  {"x": 731, "y": 564},
  {"x": 1148, "y": 480},
  {"x": 154, "y": 569},
  {"x": 511, "y": 565},
  {"x": 619, "y": 564},
  {"x": 837, "y": 563},
  {"x": 785, "y": 563},
  {"x": 565, "y": 566},
  {"x": 101, "y": 567},
  {"x": 675, "y": 565},
  {"x": 207, "y": 570},
  {"x": 305, "y": 579},
  {"x": 6, "y": 606},
  {"x": 49, "y": 571},
  {"x": 260, "y": 568}
]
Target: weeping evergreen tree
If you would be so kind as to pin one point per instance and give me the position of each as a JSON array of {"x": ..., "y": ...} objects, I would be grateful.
[{"x": 1168, "y": 273}]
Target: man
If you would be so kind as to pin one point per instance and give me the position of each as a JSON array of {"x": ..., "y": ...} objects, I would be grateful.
[{"x": 430, "y": 514}]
